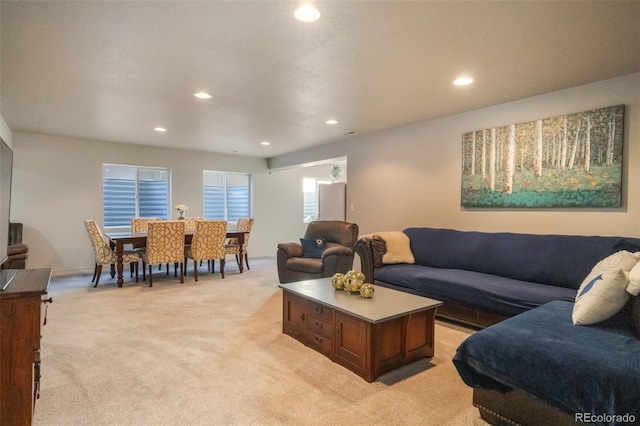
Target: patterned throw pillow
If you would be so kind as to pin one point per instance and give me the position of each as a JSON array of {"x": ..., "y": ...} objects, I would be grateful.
[
  {"x": 313, "y": 247},
  {"x": 603, "y": 292},
  {"x": 601, "y": 297}
]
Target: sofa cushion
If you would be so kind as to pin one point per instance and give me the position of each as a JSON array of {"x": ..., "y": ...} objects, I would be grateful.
[
  {"x": 635, "y": 316},
  {"x": 558, "y": 260},
  {"x": 576, "y": 369},
  {"x": 475, "y": 288}
]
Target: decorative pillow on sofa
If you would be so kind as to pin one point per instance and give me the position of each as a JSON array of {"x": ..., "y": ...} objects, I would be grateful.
[
  {"x": 634, "y": 281},
  {"x": 313, "y": 247},
  {"x": 604, "y": 291},
  {"x": 601, "y": 297}
]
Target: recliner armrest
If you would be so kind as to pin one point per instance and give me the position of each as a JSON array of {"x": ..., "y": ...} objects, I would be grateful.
[
  {"x": 291, "y": 249},
  {"x": 337, "y": 251}
]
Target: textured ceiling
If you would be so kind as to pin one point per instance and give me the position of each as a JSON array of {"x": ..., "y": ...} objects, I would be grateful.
[{"x": 113, "y": 71}]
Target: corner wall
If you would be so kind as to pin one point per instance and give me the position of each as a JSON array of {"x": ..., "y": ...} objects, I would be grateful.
[{"x": 410, "y": 176}]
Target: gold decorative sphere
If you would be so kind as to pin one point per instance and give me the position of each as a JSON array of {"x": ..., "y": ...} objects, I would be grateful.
[
  {"x": 367, "y": 291},
  {"x": 353, "y": 280},
  {"x": 337, "y": 281}
]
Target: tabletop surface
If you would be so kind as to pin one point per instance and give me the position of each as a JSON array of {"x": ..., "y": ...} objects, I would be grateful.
[{"x": 385, "y": 305}]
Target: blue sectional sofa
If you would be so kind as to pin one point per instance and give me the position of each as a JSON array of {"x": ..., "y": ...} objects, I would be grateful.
[
  {"x": 530, "y": 365},
  {"x": 483, "y": 278},
  {"x": 539, "y": 368}
]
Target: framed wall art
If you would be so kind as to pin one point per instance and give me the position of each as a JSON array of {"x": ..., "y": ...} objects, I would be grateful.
[{"x": 572, "y": 160}]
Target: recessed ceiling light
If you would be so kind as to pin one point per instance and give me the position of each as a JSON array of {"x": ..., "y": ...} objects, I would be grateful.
[
  {"x": 265, "y": 143},
  {"x": 307, "y": 13},
  {"x": 202, "y": 95},
  {"x": 159, "y": 129},
  {"x": 331, "y": 121},
  {"x": 463, "y": 81}
]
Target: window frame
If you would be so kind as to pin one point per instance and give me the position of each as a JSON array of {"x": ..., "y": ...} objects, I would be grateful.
[
  {"x": 225, "y": 193},
  {"x": 136, "y": 171}
]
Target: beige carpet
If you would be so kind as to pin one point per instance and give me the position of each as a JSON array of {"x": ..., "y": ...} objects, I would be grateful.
[{"x": 213, "y": 353}]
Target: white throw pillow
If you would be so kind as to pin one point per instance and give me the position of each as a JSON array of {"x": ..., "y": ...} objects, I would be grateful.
[
  {"x": 622, "y": 259},
  {"x": 633, "y": 288},
  {"x": 601, "y": 297}
]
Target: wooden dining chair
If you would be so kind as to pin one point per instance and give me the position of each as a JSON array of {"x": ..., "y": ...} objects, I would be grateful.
[
  {"x": 244, "y": 224},
  {"x": 104, "y": 254},
  {"x": 208, "y": 243},
  {"x": 165, "y": 244}
]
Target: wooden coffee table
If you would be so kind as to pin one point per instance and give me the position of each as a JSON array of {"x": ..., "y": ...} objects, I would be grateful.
[{"x": 367, "y": 336}]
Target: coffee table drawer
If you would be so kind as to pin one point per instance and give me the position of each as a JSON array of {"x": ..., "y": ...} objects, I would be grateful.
[
  {"x": 319, "y": 310},
  {"x": 320, "y": 326},
  {"x": 320, "y": 343}
]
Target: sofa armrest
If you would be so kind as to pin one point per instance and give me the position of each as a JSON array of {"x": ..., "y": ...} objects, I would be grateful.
[
  {"x": 370, "y": 249},
  {"x": 291, "y": 249}
]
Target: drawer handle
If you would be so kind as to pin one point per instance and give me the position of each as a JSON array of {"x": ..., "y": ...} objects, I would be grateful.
[
  {"x": 318, "y": 309},
  {"x": 318, "y": 324},
  {"x": 318, "y": 339}
]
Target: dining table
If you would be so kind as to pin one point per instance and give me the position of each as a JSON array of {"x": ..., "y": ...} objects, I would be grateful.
[{"x": 118, "y": 240}]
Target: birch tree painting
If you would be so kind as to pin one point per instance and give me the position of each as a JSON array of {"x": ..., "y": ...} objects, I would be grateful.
[{"x": 567, "y": 161}]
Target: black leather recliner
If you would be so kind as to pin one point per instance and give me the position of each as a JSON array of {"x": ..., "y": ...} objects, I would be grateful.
[{"x": 337, "y": 257}]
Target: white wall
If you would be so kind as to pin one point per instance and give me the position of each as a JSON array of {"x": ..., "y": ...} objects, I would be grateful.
[
  {"x": 57, "y": 184},
  {"x": 410, "y": 176}
]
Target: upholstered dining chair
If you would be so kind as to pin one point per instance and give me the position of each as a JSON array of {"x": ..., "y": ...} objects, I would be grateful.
[
  {"x": 208, "y": 243},
  {"x": 104, "y": 254},
  {"x": 190, "y": 222},
  {"x": 165, "y": 244},
  {"x": 232, "y": 247},
  {"x": 141, "y": 224}
]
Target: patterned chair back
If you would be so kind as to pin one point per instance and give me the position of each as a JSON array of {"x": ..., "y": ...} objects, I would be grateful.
[
  {"x": 165, "y": 242},
  {"x": 244, "y": 224},
  {"x": 141, "y": 224},
  {"x": 209, "y": 240},
  {"x": 104, "y": 254},
  {"x": 190, "y": 223}
]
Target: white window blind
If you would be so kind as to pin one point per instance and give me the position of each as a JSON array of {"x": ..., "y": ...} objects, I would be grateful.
[
  {"x": 226, "y": 196},
  {"x": 131, "y": 191}
]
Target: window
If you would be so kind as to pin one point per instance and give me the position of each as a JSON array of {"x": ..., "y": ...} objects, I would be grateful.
[
  {"x": 310, "y": 198},
  {"x": 130, "y": 191},
  {"x": 226, "y": 195}
]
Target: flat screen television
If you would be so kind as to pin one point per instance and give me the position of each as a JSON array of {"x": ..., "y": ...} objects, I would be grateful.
[{"x": 6, "y": 171}]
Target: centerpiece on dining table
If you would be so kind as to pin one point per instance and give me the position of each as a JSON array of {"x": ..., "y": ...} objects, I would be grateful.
[{"x": 181, "y": 209}]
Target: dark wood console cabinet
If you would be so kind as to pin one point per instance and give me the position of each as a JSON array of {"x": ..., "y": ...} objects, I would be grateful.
[{"x": 22, "y": 314}]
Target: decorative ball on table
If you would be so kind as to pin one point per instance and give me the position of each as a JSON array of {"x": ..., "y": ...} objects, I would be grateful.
[
  {"x": 353, "y": 280},
  {"x": 367, "y": 291},
  {"x": 181, "y": 208},
  {"x": 337, "y": 281}
]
